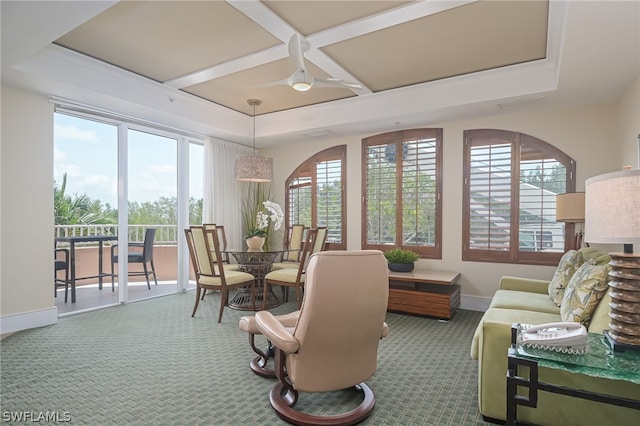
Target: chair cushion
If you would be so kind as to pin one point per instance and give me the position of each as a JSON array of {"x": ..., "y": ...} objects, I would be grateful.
[
  {"x": 586, "y": 288},
  {"x": 569, "y": 263},
  {"x": 288, "y": 275},
  {"x": 285, "y": 265},
  {"x": 231, "y": 277},
  {"x": 60, "y": 265}
]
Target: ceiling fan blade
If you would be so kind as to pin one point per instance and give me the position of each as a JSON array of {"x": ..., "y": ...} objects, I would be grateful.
[
  {"x": 335, "y": 82},
  {"x": 298, "y": 47}
]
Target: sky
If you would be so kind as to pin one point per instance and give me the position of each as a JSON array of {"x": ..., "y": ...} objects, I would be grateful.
[{"x": 87, "y": 151}]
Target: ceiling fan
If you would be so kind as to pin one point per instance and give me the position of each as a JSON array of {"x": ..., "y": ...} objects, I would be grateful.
[{"x": 302, "y": 80}]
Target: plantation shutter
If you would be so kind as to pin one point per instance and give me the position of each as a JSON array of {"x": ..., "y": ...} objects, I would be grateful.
[
  {"x": 316, "y": 195},
  {"x": 329, "y": 198},
  {"x": 402, "y": 191},
  {"x": 511, "y": 181},
  {"x": 490, "y": 202}
]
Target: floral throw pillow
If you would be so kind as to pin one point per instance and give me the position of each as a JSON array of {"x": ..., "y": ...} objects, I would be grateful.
[
  {"x": 567, "y": 266},
  {"x": 587, "y": 286}
]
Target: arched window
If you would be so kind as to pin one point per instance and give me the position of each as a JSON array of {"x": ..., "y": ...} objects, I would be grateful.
[
  {"x": 402, "y": 191},
  {"x": 316, "y": 195},
  {"x": 509, "y": 198}
]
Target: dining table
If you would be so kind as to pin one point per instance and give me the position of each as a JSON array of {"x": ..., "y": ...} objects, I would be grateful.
[
  {"x": 257, "y": 263},
  {"x": 72, "y": 241}
]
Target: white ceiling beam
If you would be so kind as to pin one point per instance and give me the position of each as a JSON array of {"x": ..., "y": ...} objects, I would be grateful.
[
  {"x": 235, "y": 65},
  {"x": 381, "y": 21}
]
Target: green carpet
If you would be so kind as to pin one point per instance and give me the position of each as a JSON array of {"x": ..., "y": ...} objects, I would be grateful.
[{"x": 150, "y": 363}]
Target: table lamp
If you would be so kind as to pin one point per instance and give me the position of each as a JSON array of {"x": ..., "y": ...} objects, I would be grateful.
[
  {"x": 570, "y": 209},
  {"x": 612, "y": 206}
]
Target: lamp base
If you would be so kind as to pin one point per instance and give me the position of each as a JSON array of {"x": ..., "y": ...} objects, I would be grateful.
[
  {"x": 624, "y": 288},
  {"x": 617, "y": 346}
]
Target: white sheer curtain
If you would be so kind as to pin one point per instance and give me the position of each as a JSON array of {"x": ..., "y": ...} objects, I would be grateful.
[{"x": 222, "y": 198}]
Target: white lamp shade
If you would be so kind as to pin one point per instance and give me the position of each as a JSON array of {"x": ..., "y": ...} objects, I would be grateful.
[
  {"x": 570, "y": 207},
  {"x": 612, "y": 206},
  {"x": 254, "y": 168}
]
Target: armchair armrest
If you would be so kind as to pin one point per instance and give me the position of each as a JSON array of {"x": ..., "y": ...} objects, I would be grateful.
[
  {"x": 248, "y": 323},
  {"x": 524, "y": 284},
  {"x": 276, "y": 332}
]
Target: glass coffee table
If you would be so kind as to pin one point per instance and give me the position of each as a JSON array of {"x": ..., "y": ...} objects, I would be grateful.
[{"x": 598, "y": 361}]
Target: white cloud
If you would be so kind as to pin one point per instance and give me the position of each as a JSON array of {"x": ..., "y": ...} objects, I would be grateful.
[
  {"x": 72, "y": 132},
  {"x": 58, "y": 156},
  {"x": 163, "y": 168}
]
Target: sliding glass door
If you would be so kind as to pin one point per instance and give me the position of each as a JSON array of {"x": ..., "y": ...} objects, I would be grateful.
[
  {"x": 103, "y": 166},
  {"x": 152, "y": 203}
]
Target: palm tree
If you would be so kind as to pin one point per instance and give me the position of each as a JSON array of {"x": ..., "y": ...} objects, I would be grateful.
[{"x": 77, "y": 209}]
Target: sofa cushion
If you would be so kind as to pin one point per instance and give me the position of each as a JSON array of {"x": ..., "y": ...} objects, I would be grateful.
[
  {"x": 508, "y": 317},
  {"x": 523, "y": 300},
  {"x": 585, "y": 289},
  {"x": 600, "y": 318},
  {"x": 568, "y": 265}
]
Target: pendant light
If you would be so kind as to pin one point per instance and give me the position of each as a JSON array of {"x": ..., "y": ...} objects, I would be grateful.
[{"x": 252, "y": 167}]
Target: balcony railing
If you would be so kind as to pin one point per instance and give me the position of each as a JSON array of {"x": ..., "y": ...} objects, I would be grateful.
[
  {"x": 165, "y": 234},
  {"x": 164, "y": 252}
]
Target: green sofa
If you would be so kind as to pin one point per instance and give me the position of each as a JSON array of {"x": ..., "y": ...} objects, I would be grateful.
[{"x": 528, "y": 301}]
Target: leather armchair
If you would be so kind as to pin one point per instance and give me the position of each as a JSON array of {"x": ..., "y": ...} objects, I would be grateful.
[{"x": 333, "y": 344}]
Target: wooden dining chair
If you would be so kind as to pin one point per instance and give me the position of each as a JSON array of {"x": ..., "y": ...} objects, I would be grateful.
[
  {"x": 210, "y": 272},
  {"x": 294, "y": 238},
  {"x": 290, "y": 277},
  {"x": 320, "y": 243},
  {"x": 222, "y": 238}
]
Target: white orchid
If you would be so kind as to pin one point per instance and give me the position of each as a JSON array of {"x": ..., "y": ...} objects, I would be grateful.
[
  {"x": 277, "y": 216},
  {"x": 274, "y": 215}
]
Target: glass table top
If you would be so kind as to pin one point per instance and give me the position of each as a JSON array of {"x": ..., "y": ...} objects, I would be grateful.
[{"x": 598, "y": 361}]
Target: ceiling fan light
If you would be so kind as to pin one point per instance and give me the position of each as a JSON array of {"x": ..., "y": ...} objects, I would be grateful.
[
  {"x": 301, "y": 86},
  {"x": 301, "y": 81}
]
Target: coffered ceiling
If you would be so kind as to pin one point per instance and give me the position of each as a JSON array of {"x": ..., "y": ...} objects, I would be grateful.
[
  {"x": 193, "y": 64},
  {"x": 223, "y": 51}
]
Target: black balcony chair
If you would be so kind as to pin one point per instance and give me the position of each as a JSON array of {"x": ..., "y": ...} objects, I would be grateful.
[
  {"x": 61, "y": 263},
  {"x": 145, "y": 257}
]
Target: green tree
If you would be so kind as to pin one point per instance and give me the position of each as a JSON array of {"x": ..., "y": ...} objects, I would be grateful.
[{"x": 76, "y": 209}]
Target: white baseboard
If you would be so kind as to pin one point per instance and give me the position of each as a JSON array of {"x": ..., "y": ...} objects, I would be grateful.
[
  {"x": 475, "y": 303},
  {"x": 26, "y": 320}
]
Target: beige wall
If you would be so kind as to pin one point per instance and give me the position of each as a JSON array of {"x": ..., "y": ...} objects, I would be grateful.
[
  {"x": 27, "y": 204},
  {"x": 629, "y": 125},
  {"x": 600, "y": 138},
  {"x": 579, "y": 132}
]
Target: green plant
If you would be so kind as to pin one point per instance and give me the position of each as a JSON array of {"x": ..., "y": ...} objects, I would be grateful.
[{"x": 401, "y": 256}]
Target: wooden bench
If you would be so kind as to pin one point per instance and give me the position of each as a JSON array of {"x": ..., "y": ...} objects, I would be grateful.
[{"x": 428, "y": 293}]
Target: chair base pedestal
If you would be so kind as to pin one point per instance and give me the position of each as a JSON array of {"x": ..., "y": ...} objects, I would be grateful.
[
  {"x": 258, "y": 367},
  {"x": 282, "y": 403}
]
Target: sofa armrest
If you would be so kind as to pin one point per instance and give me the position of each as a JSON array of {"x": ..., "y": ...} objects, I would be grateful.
[{"x": 524, "y": 284}]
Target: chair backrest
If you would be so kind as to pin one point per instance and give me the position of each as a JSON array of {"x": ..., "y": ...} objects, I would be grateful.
[
  {"x": 199, "y": 241},
  {"x": 222, "y": 239},
  {"x": 343, "y": 311},
  {"x": 306, "y": 252},
  {"x": 321, "y": 239},
  {"x": 149, "y": 238},
  {"x": 294, "y": 239}
]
